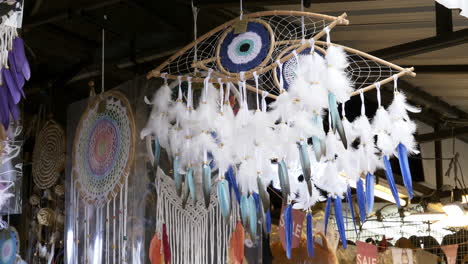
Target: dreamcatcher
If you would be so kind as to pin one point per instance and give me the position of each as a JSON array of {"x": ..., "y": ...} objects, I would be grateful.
[
  {"x": 9, "y": 246},
  {"x": 102, "y": 157},
  {"x": 278, "y": 54}
]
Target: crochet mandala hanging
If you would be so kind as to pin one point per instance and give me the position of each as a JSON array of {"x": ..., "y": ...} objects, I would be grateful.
[
  {"x": 104, "y": 147},
  {"x": 9, "y": 245}
]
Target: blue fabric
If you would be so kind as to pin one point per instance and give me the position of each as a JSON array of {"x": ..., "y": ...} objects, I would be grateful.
[
  {"x": 370, "y": 181},
  {"x": 229, "y": 64},
  {"x": 405, "y": 170},
  {"x": 309, "y": 234},
  {"x": 391, "y": 180},
  {"x": 351, "y": 207},
  {"x": 327, "y": 213},
  {"x": 361, "y": 199},
  {"x": 339, "y": 221}
]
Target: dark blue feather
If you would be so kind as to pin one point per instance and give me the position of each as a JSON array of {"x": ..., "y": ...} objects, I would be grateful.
[
  {"x": 405, "y": 170},
  {"x": 339, "y": 220},
  {"x": 288, "y": 229},
  {"x": 310, "y": 238},
  {"x": 351, "y": 207},
  {"x": 370, "y": 180},
  {"x": 361, "y": 200},
  {"x": 327, "y": 213},
  {"x": 268, "y": 222},
  {"x": 257, "y": 201},
  {"x": 391, "y": 180},
  {"x": 229, "y": 175}
]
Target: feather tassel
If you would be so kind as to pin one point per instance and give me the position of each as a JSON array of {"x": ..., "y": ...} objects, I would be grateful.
[
  {"x": 284, "y": 180},
  {"x": 370, "y": 180},
  {"x": 230, "y": 177},
  {"x": 288, "y": 229},
  {"x": 305, "y": 164},
  {"x": 252, "y": 211},
  {"x": 206, "y": 180},
  {"x": 405, "y": 170},
  {"x": 244, "y": 204},
  {"x": 391, "y": 180},
  {"x": 361, "y": 199},
  {"x": 310, "y": 238},
  {"x": 224, "y": 199},
  {"x": 177, "y": 175},
  {"x": 339, "y": 221}
]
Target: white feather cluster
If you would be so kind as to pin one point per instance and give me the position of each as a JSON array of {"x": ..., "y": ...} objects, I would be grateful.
[{"x": 337, "y": 81}]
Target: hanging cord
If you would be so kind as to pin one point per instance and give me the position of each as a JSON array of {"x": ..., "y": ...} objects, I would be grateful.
[
  {"x": 206, "y": 81},
  {"x": 256, "y": 89},
  {"x": 363, "y": 105},
  {"x": 241, "y": 11},
  {"x": 395, "y": 83},
  {"x": 280, "y": 66},
  {"x": 312, "y": 45},
  {"x": 264, "y": 105},
  {"x": 379, "y": 99},
  {"x": 103, "y": 58},
  {"x": 164, "y": 77},
  {"x": 327, "y": 30},
  {"x": 343, "y": 110},
  {"x": 296, "y": 57},
  {"x": 179, "y": 94},
  {"x": 243, "y": 88},
  {"x": 302, "y": 23},
  {"x": 195, "y": 33},
  {"x": 221, "y": 96}
]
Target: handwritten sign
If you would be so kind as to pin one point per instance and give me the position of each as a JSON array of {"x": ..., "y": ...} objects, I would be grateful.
[
  {"x": 366, "y": 253},
  {"x": 298, "y": 219}
]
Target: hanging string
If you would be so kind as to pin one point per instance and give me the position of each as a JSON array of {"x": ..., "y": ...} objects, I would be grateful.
[
  {"x": 195, "y": 16},
  {"x": 280, "y": 66},
  {"x": 312, "y": 45},
  {"x": 241, "y": 11},
  {"x": 327, "y": 30},
  {"x": 256, "y": 89},
  {"x": 228, "y": 91},
  {"x": 244, "y": 90},
  {"x": 189, "y": 93},
  {"x": 343, "y": 110},
  {"x": 264, "y": 105},
  {"x": 379, "y": 99},
  {"x": 395, "y": 83},
  {"x": 102, "y": 59},
  {"x": 363, "y": 106},
  {"x": 221, "y": 95},
  {"x": 206, "y": 81},
  {"x": 164, "y": 76},
  {"x": 296, "y": 57},
  {"x": 302, "y": 23}
]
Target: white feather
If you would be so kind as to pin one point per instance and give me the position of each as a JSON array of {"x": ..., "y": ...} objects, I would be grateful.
[
  {"x": 399, "y": 107},
  {"x": 336, "y": 79},
  {"x": 247, "y": 176}
]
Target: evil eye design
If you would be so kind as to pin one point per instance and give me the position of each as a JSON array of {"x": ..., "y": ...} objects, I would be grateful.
[
  {"x": 246, "y": 51},
  {"x": 289, "y": 67}
]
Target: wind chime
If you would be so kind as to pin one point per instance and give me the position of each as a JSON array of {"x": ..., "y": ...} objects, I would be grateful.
[
  {"x": 275, "y": 54},
  {"x": 103, "y": 153}
]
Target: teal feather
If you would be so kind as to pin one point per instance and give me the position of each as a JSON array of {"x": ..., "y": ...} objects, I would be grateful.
[
  {"x": 337, "y": 125},
  {"x": 264, "y": 196},
  {"x": 177, "y": 175},
  {"x": 305, "y": 164},
  {"x": 185, "y": 193},
  {"x": 191, "y": 184},
  {"x": 244, "y": 210},
  {"x": 252, "y": 215},
  {"x": 284, "y": 179},
  {"x": 224, "y": 198}
]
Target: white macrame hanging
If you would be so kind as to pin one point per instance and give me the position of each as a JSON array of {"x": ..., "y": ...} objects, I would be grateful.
[{"x": 196, "y": 235}]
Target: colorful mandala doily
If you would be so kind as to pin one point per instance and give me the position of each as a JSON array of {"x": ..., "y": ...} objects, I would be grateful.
[
  {"x": 9, "y": 245},
  {"x": 49, "y": 155},
  {"x": 104, "y": 147}
]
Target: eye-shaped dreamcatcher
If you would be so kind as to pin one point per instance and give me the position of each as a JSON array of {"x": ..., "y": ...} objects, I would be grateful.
[
  {"x": 279, "y": 54},
  {"x": 103, "y": 154},
  {"x": 9, "y": 245}
]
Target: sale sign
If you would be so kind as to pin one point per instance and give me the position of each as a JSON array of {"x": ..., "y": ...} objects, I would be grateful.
[
  {"x": 366, "y": 253},
  {"x": 298, "y": 219}
]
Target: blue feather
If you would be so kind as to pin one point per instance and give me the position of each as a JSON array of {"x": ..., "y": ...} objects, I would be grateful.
[
  {"x": 391, "y": 180},
  {"x": 370, "y": 180},
  {"x": 224, "y": 198},
  {"x": 284, "y": 179},
  {"x": 310, "y": 238},
  {"x": 268, "y": 222},
  {"x": 405, "y": 170},
  {"x": 288, "y": 229},
  {"x": 206, "y": 180},
  {"x": 191, "y": 184},
  {"x": 339, "y": 221},
  {"x": 177, "y": 176},
  {"x": 327, "y": 213},
  {"x": 351, "y": 207},
  {"x": 229, "y": 175},
  {"x": 157, "y": 152},
  {"x": 361, "y": 199},
  {"x": 252, "y": 217},
  {"x": 244, "y": 204},
  {"x": 257, "y": 201}
]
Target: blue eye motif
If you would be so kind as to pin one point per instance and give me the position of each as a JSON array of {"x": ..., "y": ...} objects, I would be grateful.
[
  {"x": 246, "y": 51},
  {"x": 289, "y": 67}
]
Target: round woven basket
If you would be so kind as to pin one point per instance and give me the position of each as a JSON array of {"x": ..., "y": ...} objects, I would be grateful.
[
  {"x": 49, "y": 155},
  {"x": 45, "y": 216}
]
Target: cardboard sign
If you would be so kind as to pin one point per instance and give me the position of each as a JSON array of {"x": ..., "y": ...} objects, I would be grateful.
[
  {"x": 298, "y": 219},
  {"x": 366, "y": 253},
  {"x": 451, "y": 253}
]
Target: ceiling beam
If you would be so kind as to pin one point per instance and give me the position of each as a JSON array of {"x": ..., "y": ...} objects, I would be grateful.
[
  {"x": 422, "y": 46},
  {"x": 442, "y": 134},
  {"x": 454, "y": 68},
  {"x": 444, "y": 23},
  {"x": 224, "y": 3}
]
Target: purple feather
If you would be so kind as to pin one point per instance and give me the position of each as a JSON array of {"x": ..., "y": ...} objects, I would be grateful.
[
  {"x": 391, "y": 180},
  {"x": 20, "y": 58},
  {"x": 339, "y": 221},
  {"x": 310, "y": 238},
  {"x": 405, "y": 170},
  {"x": 8, "y": 81},
  {"x": 288, "y": 229},
  {"x": 327, "y": 213},
  {"x": 17, "y": 77},
  {"x": 4, "y": 106},
  {"x": 361, "y": 199}
]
